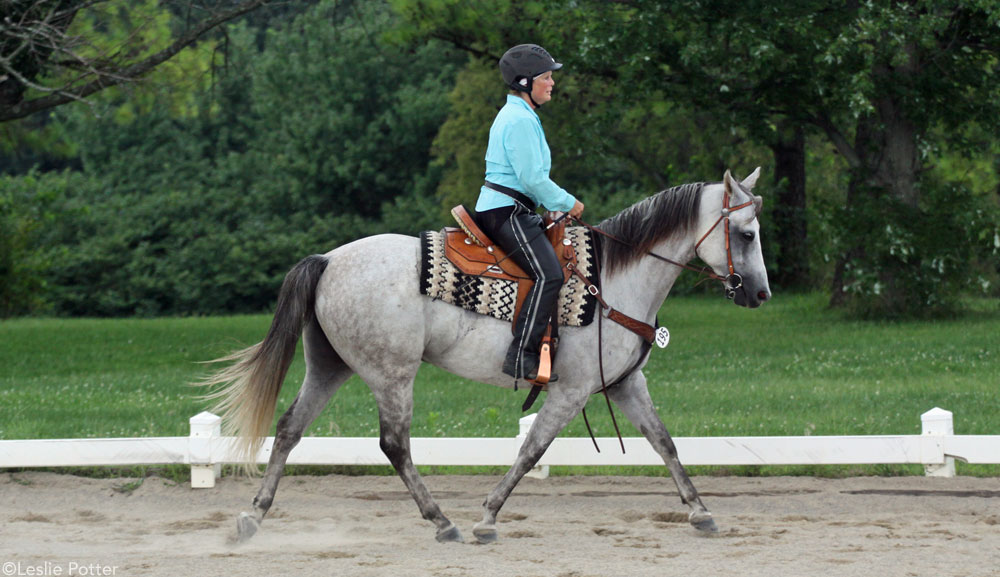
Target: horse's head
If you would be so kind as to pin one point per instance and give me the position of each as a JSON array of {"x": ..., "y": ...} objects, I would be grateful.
[{"x": 736, "y": 257}]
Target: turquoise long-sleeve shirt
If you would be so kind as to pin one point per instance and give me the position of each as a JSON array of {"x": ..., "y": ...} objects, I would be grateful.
[{"x": 518, "y": 157}]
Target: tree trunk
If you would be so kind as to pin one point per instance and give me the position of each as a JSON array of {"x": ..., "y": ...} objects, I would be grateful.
[
  {"x": 790, "y": 210},
  {"x": 855, "y": 188},
  {"x": 897, "y": 165},
  {"x": 858, "y": 185},
  {"x": 888, "y": 159}
]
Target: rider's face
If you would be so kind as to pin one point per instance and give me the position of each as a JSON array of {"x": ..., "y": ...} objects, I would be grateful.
[{"x": 541, "y": 88}]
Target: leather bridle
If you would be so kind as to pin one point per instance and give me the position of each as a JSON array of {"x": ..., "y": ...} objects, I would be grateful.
[{"x": 733, "y": 280}]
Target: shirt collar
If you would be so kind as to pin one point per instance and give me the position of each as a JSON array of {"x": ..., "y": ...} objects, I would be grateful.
[{"x": 518, "y": 101}]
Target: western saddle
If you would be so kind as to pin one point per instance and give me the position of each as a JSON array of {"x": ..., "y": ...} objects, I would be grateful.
[{"x": 473, "y": 253}]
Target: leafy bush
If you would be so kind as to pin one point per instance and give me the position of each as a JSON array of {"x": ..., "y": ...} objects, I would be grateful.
[
  {"x": 918, "y": 261},
  {"x": 30, "y": 209}
]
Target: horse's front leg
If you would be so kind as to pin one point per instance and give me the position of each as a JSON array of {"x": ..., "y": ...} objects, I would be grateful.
[
  {"x": 561, "y": 404},
  {"x": 632, "y": 396}
]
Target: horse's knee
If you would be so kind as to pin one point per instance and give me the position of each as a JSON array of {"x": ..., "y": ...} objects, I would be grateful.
[
  {"x": 668, "y": 448},
  {"x": 394, "y": 448},
  {"x": 661, "y": 441},
  {"x": 667, "y": 443}
]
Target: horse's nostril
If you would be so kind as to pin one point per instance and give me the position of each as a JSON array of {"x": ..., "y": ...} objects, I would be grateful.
[{"x": 762, "y": 295}]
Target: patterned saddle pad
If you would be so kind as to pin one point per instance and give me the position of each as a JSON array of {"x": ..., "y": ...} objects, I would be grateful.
[{"x": 439, "y": 279}]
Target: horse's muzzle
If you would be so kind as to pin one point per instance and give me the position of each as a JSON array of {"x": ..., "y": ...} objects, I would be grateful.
[{"x": 749, "y": 299}]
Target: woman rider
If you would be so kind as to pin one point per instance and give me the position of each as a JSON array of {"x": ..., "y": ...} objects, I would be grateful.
[{"x": 518, "y": 161}]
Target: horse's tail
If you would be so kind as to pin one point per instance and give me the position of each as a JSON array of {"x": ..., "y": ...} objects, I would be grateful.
[{"x": 248, "y": 389}]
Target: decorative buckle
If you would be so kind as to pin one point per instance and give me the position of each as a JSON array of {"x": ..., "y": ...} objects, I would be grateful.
[
  {"x": 733, "y": 282},
  {"x": 593, "y": 290}
]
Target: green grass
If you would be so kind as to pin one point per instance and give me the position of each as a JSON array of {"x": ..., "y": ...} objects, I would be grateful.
[{"x": 791, "y": 367}]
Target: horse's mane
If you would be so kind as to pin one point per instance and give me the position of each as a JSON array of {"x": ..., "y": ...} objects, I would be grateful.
[{"x": 647, "y": 222}]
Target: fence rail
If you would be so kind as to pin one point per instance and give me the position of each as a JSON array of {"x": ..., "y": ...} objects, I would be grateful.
[{"x": 205, "y": 450}]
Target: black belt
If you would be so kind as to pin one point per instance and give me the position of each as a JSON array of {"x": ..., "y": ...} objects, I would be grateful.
[{"x": 516, "y": 195}]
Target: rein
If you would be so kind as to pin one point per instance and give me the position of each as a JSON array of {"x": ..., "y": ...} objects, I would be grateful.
[
  {"x": 732, "y": 282},
  {"x": 703, "y": 271}
]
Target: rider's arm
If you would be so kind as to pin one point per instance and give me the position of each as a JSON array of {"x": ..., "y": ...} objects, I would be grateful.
[{"x": 524, "y": 143}]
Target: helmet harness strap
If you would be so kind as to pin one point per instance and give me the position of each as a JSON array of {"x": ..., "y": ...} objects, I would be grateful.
[{"x": 527, "y": 88}]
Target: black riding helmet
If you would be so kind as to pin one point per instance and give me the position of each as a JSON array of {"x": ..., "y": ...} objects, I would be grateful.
[{"x": 521, "y": 64}]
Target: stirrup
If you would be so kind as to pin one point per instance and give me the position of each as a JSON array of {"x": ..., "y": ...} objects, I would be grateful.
[{"x": 544, "y": 373}]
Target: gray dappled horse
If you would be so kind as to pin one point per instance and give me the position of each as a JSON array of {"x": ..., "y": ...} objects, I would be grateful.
[{"x": 359, "y": 310}]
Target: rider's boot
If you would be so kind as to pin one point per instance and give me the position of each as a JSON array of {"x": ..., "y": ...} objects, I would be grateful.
[{"x": 529, "y": 363}]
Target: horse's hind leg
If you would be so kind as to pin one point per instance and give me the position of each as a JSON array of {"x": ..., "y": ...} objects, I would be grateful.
[
  {"x": 632, "y": 396},
  {"x": 325, "y": 373},
  {"x": 395, "y": 407}
]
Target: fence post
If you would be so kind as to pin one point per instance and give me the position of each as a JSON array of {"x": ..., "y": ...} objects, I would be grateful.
[
  {"x": 537, "y": 472},
  {"x": 205, "y": 428},
  {"x": 938, "y": 421}
]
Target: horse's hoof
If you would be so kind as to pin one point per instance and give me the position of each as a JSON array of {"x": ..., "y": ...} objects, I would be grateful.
[
  {"x": 246, "y": 527},
  {"x": 485, "y": 535},
  {"x": 703, "y": 521},
  {"x": 449, "y": 534}
]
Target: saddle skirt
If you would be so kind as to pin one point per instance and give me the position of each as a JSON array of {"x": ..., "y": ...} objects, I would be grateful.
[{"x": 468, "y": 271}]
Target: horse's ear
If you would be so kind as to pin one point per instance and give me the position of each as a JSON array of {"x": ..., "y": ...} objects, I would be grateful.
[
  {"x": 758, "y": 204},
  {"x": 729, "y": 183},
  {"x": 749, "y": 182}
]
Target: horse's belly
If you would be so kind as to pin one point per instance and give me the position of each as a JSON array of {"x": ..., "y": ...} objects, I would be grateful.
[{"x": 467, "y": 344}]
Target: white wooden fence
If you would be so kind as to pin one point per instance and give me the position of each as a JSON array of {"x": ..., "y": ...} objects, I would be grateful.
[{"x": 205, "y": 450}]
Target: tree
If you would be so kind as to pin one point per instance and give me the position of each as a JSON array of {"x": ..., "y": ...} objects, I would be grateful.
[
  {"x": 888, "y": 82},
  {"x": 314, "y": 136},
  {"x": 26, "y": 211},
  {"x": 748, "y": 64},
  {"x": 918, "y": 73},
  {"x": 45, "y": 62}
]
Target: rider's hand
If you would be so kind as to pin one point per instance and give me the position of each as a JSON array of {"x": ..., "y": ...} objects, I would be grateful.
[{"x": 577, "y": 210}]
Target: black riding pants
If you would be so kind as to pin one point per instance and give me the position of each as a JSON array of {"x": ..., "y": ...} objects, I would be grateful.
[{"x": 521, "y": 235}]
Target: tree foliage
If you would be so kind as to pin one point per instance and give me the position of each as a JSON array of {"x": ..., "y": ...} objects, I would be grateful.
[
  {"x": 887, "y": 82},
  {"x": 25, "y": 211},
  {"x": 318, "y": 138},
  {"x": 51, "y": 56},
  {"x": 306, "y": 127}
]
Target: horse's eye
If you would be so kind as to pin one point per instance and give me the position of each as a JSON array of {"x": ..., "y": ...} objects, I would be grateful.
[{"x": 748, "y": 236}]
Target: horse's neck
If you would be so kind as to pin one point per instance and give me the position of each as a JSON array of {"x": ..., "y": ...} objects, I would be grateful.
[{"x": 640, "y": 289}]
